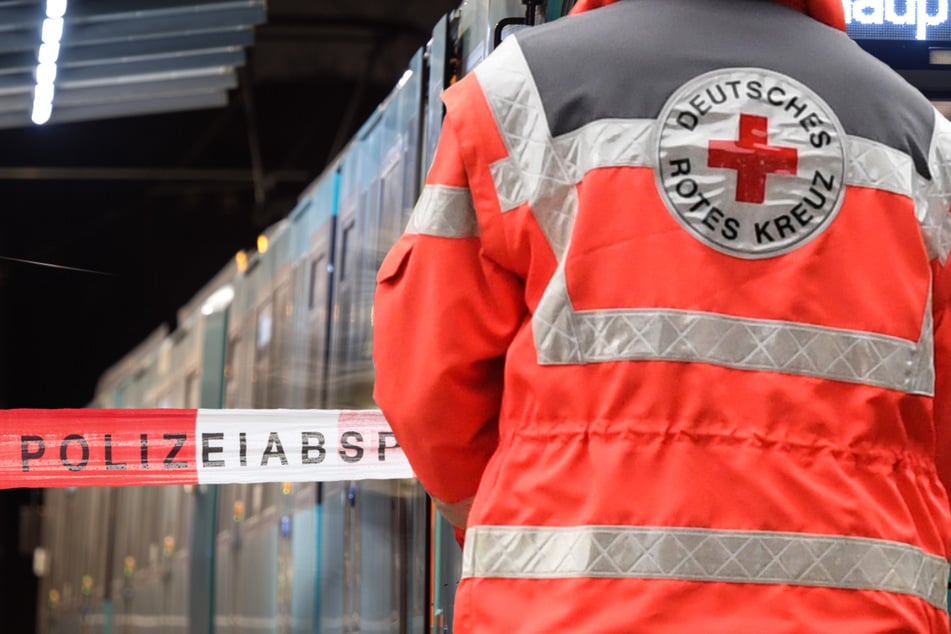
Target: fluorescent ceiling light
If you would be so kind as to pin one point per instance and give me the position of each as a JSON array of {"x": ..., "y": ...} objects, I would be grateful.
[
  {"x": 55, "y": 8},
  {"x": 52, "y": 30},
  {"x": 45, "y": 73},
  {"x": 42, "y": 110},
  {"x": 49, "y": 53}
]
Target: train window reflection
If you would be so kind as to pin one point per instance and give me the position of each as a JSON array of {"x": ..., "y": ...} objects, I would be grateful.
[
  {"x": 345, "y": 250},
  {"x": 317, "y": 267},
  {"x": 265, "y": 323}
]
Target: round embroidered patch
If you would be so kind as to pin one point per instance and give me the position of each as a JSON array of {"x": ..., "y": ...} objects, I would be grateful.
[{"x": 750, "y": 162}]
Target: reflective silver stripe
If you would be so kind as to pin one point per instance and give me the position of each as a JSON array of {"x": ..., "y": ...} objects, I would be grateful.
[
  {"x": 934, "y": 199},
  {"x": 607, "y": 143},
  {"x": 565, "y": 336},
  {"x": 543, "y": 172},
  {"x": 534, "y": 171},
  {"x": 872, "y": 164},
  {"x": 619, "y": 552},
  {"x": 445, "y": 212},
  {"x": 746, "y": 344}
]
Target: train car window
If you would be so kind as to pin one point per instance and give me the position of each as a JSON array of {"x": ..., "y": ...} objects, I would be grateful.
[
  {"x": 265, "y": 326},
  {"x": 257, "y": 499},
  {"x": 230, "y": 358},
  {"x": 231, "y": 371},
  {"x": 345, "y": 249},
  {"x": 192, "y": 387},
  {"x": 165, "y": 358},
  {"x": 317, "y": 267},
  {"x": 392, "y": 217}
]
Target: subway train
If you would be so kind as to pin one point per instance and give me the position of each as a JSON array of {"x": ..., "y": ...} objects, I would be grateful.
[{"x": 288, "y": 326}]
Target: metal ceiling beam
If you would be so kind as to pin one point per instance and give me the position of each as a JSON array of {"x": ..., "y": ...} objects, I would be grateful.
[
  {"x": 136, "y": 49},
  {"x": 218, "y": 81},
  {"x": 19, "y": 62},
  {"x": 122, "y": 109},
  {"x": 191, "y": 86},
  {"x": 17, "y": 84},
  {"x": 132, "y": 50},
  {"x": 20, "y": 40},
  {"x": 95, "y": 9},
  {"x": 138, "y": 71},
  {"x": 14, "y": 17},
  {"x": 142, "y": 107},
  {"x": 22, "y": 103},
  {"x": 149, "y": 174},
  {"x": 148, "y": 26},
  {"x": 221, "y": 82},
  {"x": 23, "y": 35},
  {"x": 198, "y": 66},
  {"x": 127, "y": 57}
]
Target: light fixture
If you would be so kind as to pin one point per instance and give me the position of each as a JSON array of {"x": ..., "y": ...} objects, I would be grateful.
[
  {"x": 46, "y": 57},
  {"x": 218, "y": 301},
  {"x": 45, "y": 73},
  {"x": 49, "y": 53},
  {"x": 52, "y": 30},
  {"x": 55, "y": 8},
  {"x": 241, "y": 259}
]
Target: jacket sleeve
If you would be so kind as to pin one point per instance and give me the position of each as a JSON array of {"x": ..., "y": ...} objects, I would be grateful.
[
  {"x": 939, "y": 224},
  {"x": 444, "y": 316},
  {"x": 942, "y": 356}
]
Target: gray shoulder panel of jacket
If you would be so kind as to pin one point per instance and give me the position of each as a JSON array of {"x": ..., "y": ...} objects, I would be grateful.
[{"x": 624, "y": 61}]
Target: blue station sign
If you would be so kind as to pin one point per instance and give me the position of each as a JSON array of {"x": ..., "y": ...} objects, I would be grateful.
[{"x": 898, "y": 19}]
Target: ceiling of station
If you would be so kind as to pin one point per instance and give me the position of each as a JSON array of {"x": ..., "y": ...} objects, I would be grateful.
[
  {"x": 125, "y": 57},
  {"x": 120, "y": 58},
  {"x": 179, "y": 131}
]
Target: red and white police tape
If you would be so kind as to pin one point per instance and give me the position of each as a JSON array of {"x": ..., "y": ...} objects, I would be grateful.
[{"x": 127, "y": 447}]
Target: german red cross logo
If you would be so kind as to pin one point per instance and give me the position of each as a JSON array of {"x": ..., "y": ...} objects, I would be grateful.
[
  {"x": 753, "y": 158},
  {"x": 750, "y": 162}
]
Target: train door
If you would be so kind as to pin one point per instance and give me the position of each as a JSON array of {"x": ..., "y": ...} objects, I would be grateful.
[
  {"x": 237, "y": 371},
  {"x": 387, "y": 570},
  {"x": 346, "y": 319},
  {"x": 263, "y": 336},
  {"x": 281, "y": 371},
  {"x": 233, "y": 571},
  {"x": 443, "y": 561},
  {"x": 303, "y": 364},
  {"x": 336, "y": 554},
  {"x": 264, "y": 596},
  {"x": 320, "y": 259},
  {"x": 477, "y": 26},
  {"x": 352, "y": 387},
  {"x": 292, "y": 504},
  {"x": 363, "y": 505},
  {"x": 212, "y": 323},
  {"x": 437, "y": 54}
]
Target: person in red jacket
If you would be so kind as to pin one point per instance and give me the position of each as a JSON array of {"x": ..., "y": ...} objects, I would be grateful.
[{"x": 666, "y": 333}]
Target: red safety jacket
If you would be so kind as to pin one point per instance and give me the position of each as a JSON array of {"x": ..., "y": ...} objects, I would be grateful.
[{"x": 672, "y": 309}]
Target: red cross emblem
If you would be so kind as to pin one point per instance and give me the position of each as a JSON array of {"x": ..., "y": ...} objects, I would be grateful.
[{"x": 753, "y": 158}]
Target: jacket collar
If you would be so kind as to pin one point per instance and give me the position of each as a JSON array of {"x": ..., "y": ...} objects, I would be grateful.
[{"x": 826, "y": 11}]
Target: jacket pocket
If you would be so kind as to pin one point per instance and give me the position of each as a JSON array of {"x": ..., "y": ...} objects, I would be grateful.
[{"x": 395, "y": 261}]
